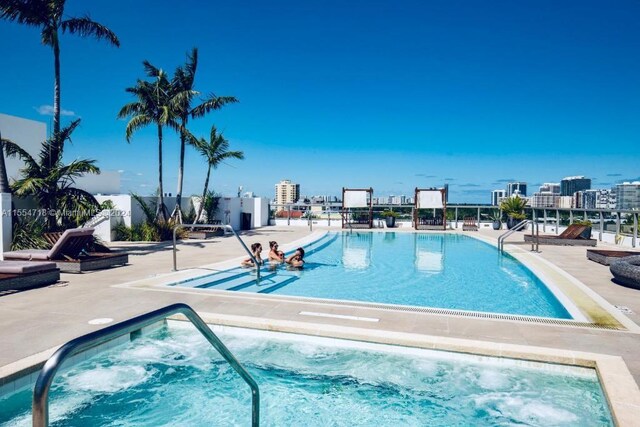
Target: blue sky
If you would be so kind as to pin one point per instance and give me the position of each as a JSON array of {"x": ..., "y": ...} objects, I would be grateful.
[{"x": 388, "y": 94}]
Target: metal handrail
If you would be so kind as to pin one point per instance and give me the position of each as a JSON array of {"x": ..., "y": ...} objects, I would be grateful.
[
  {"x": 224, "y": 227},
  {"x": 50, "y": 368},
  {"x": 518, "y": 227}
]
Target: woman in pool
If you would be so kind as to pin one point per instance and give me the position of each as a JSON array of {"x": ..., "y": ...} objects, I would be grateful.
[
  {"x": 256, "y": 250},
  {"x": 275, "y": 256},
  {"x": 297, "y": 259}
]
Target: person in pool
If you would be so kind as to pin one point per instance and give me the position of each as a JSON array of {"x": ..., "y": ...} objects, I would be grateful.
[
  {"x": 297, "y": 259},
  {"x": 275, "y": 256},
  {"x": 256, "y": 250}
]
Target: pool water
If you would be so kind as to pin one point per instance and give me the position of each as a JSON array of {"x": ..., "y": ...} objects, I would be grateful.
[
  {"x": 418, "y": 269},
  {"x": 173, "y": 377}
]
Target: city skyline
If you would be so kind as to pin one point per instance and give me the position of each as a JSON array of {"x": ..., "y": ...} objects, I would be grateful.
[{"x": 464, "y": 94}]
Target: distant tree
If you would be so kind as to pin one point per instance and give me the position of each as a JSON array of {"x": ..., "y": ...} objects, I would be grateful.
[
  {"x": 183, "y": 86},
  {"x": 48, "y": 15},
  {"x": 154, "y": 106},
  {"x": 215, "y": 151},
  {"x": 51, "y": 184}
]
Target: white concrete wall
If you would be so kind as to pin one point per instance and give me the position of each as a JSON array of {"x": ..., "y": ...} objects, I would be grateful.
[
  {"x": 28, "y": 134},
  {"x": 229, "y": 211},
  {"x": 6, "y": 227},
  {"x": 258, "y": 207}
]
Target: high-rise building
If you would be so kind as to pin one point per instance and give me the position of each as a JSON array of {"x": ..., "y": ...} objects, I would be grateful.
[
  {"x": 287, "y": 192},
  {"x": 519, "y": 188},
  {"x": 628, "y": 195},
  {"x": 544, "y": 199},
  {"x": 497, "y": 196},
  {"x": 550, "y": 187},
  {"x": 572, "y": 184},
  {"x": 597, "y": 199}
]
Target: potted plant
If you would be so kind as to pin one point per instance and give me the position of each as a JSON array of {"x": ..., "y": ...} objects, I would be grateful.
[
  {"x": 513, "y": 207},
  {"x": 496, "y": 217},
  {"x": 390, "y": 218},
  {"x": 586, "y": 234}
]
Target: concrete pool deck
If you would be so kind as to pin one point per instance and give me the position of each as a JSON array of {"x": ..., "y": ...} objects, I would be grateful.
[{"x": 38, "y": 320}]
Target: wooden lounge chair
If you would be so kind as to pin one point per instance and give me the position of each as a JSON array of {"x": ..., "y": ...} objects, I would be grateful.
[
  {"x": 469, "y": 224},
  {"x": 18, "y": 275},
  {"x": 572, "y": 236},
  {"x": 69, "y": 254}
]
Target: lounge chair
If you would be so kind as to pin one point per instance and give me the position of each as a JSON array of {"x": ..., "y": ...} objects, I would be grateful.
[
  {"x": 69, "y": 254},
  {"x": 17, "y": 275},
  {"x": 607, "y": 257},
  {"x": 572, "y": 236},
  {"x": 469, "y": 224}
]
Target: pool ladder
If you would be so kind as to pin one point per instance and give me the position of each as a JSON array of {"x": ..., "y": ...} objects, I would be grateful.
[
  {"x": 535, "y": 237},
  {"x": 226, "y": 227},
  {"x": 85, "y": 342}
]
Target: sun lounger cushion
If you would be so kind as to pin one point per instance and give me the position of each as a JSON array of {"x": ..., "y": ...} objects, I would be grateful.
[
  {"x": 28, "y": 255},
  {"x": 24, "y": 267}
]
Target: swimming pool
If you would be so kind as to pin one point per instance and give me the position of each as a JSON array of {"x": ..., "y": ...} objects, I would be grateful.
[
  {"x": 173, "y": 377},
  {"x": 449, "y": 271}
]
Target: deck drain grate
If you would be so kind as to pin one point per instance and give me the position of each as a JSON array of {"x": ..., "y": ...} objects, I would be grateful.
[{"x": 468, "y": 314}]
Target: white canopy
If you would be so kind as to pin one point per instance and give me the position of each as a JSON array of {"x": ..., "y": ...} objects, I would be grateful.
[
  {"x": 429, "y": 199},
  {"x": 355, "y": 199}
]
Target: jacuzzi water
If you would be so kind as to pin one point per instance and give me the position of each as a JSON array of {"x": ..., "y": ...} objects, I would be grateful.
[
  {"x": 172, "y": 377},
  {"x": 418, "y": 269}
]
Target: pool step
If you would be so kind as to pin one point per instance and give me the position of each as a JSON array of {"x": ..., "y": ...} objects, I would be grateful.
[
  {"x": 246, "y": 281},
  {"x": 269, "y": 284},
  {"x": 216, "y": 278}
]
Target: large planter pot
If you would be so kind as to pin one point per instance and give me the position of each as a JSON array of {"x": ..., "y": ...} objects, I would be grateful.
[
  {"x": 512, "y": 222},
  {"x": 497, "y": 225},
  {"x": 391, "y": 221}
]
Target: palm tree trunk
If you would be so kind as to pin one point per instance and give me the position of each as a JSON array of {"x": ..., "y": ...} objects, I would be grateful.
[
  {"x": 177, "y": 212},
  {"x": 56, "y": 86},
  {"x": 4, "y": 179},
  {"x": 204, "y": 194},
  {"x": 160, "y": 210}
]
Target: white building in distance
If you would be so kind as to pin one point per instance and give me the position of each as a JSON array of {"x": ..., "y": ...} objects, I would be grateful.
[
  {"x": 628, "y": 195},
  {"x": 287, "y": 192},
  {"x": 29, "y": 135},
  {"x": 497, "y": 196}
]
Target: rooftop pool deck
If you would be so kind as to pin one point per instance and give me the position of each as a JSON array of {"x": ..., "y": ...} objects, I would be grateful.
[{"x": 35, "y": 322}]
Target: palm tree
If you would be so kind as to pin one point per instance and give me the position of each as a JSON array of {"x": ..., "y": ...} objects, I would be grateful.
[
  {"x": 52, "y": 184},
  {"x": 4, "y": 179},
  {"x": 154, "y": 105},
  {"x": 48, "y": 15},
  {"x": 182, "y": 84},
  {"x": 215, "y": 151}
]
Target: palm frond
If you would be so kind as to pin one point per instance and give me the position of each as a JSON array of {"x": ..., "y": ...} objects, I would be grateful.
[
  {"x": 84, "y": 27},
  {"x": 136, "y": 123},
  {"x": 148, "y": 210},
  {"x": 52, "y": 148},
  {"x": 212, "y": 103},
  {"x": 150, "y": 69},
  {"x": 26, "y": 12},
  {"x": 11, "y": 149}
]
